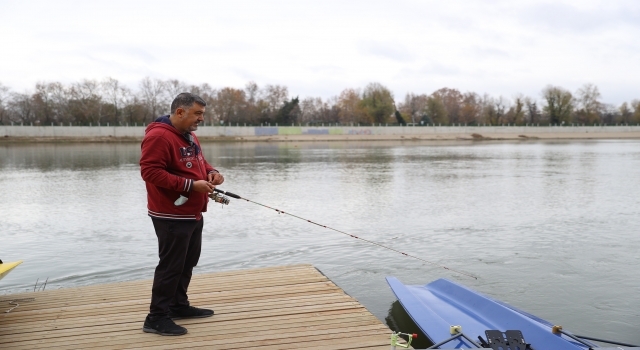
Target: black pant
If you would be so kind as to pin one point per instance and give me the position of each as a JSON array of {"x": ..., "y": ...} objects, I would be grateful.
[{"x": 179, "y": 244}]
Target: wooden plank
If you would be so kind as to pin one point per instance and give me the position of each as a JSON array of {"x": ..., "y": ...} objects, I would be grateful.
[
  {"x": 221, "y": 324},
  {"x": 123, "y": 290},
  {"x": 231, "y": 308},
  {"x": 141, "y": 306},
  {"x": 93, "y": 320},
  {"x": 203, "y": 330},
  {"x": 120, "y": 287},
  {"x": 326, "y": 335},
  {"x": 254, "y": 293},
  {"x": 285, "y": 307}
]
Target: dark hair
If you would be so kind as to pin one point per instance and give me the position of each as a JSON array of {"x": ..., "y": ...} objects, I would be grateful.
[{"x": 186, "y": 100}]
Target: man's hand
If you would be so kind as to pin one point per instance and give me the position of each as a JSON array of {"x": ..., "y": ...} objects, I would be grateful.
[
  {"x": 215, "y": 178},
  {"x": 203, "y": 186}
]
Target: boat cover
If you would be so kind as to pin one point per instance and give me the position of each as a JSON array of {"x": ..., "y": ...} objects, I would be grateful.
[{"x": 436, "y": 306}]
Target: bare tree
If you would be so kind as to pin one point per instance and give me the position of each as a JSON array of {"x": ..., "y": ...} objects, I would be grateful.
[
  {"x": 22, "y": 108},
  {"x": 255, "y": 107},
  {"x": 228, "y": 105},
  {"x": 117, "y": 95},
  {"x": 134, "y": 110},
  {"x": 471, "y": 109},
  {"x": 252, "y": 92},
  {"x": 609, "y": 113},
  {"x": 44, "y": 105},
  {"x": 151, "y": 93},
  {"x": 413, "y": 106},
  {"x": 351, "y": 111},
  {"x": 309, "y": 109},
  {"x": 516, "y": 115},
  {"x": 4, "y": 104},
  {"x": 489, "y": 115},
  {"x": 173, "y": 88},
  {"x": 86, "y": 101},
  {"x": 589, "y": 105},
  {"x": 329, "y": 111},
  {"x": 533, "y": 114},
  {"x": 274, "y": 96},
  {"x": 90, "y": 101}
]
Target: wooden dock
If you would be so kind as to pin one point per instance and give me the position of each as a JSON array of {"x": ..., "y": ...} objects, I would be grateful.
[{"x": 289, "y": 307}]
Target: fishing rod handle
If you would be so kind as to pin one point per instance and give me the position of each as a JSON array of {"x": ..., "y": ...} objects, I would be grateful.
[{"x": 232, "y": 195}]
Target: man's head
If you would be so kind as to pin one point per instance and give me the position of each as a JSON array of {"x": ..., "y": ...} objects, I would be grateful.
[{"x": 187, "y": 111}]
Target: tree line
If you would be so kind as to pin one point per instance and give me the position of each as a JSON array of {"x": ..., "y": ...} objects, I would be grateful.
[{"x": 93, "y": 102}]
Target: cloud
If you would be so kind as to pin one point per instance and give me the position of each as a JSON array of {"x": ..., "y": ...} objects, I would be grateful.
[
  {"x": 565, "y": 18},
  {"x": 392, "y": 51},
  {"x": 497, "y": 46},
  {"x": 434, "y": 69}
]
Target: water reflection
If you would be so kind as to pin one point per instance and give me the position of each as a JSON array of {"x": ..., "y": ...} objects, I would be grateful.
[
  {"x": 560, "y": 219},
  {"x": 48, "y": 157}
]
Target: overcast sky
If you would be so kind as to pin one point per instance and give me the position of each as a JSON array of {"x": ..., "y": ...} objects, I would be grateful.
[{"x": 319, "y": 48}]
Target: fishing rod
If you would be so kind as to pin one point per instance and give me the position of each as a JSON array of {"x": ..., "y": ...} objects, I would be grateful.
[{"x": 220, "y": 198}]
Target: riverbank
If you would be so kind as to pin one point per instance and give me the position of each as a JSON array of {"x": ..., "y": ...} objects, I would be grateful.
[{"x": 69, "y": 134}]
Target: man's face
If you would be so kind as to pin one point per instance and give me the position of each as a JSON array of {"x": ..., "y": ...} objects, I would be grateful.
[{"x": 191, "y": 117}]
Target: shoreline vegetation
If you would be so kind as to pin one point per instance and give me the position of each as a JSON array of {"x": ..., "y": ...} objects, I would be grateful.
[
  {"x": 472, "y": 134},
  {"x": 92, "y": 102}
]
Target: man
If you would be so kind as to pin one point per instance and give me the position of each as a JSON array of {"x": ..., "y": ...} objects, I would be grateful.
[{"x": 178, "y": 179}]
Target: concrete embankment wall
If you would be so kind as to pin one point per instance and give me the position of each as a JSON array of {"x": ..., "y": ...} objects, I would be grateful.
[{"x": 324, "y": 133}]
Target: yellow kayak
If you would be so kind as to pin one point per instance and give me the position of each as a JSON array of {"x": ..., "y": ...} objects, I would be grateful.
[{"x": 7, "y": 267}]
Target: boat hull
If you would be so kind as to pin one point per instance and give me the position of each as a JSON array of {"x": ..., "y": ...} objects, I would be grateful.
[
  {"x": 437, "y": 306},
  {"x": 5, "y": 268}
]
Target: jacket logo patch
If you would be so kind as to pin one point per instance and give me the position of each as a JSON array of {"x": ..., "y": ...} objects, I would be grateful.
[
  {"x": 187, "y": 151},
  {"x": 189, "y": 165}
]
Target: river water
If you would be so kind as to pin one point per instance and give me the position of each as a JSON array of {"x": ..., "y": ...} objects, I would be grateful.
[{"x": 549, "y": 227}]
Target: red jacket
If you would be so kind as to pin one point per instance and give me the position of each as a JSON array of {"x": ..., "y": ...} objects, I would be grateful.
[{"x": 169, "y": 165}]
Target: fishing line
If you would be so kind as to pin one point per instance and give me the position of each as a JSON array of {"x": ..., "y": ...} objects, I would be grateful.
[{"x": 216, "y": 197}]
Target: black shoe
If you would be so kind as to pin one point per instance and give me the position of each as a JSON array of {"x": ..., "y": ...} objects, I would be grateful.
[
  {"x": 163, "y": 326},
  {"x": 189, "y": 312}
]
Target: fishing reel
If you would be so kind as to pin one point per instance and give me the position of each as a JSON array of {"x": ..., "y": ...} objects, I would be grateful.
[{"x": 219, "y": 198}]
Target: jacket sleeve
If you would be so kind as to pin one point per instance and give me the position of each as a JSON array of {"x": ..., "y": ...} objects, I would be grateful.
[
  {"x": 154, "y": 161},
  {"x": 209, "y": 168}
]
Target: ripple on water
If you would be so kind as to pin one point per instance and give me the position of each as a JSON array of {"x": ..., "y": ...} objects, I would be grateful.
[{"x": 550, "y": 227}]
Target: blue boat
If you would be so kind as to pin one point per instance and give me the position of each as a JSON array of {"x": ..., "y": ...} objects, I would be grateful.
[{"x": 453, "y": 316}]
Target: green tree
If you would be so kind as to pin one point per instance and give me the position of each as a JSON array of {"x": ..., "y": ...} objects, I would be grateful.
[
  {"x": 378, "y": 103},
  {"x": 399, "y": 118},
  {"x": 452, "y": 100},
  {"x": 625, "y": 113},
  {"x": 636, "y": 111},
  {"x": 559, "y": 104},
  {"x": 435, "y": 110},
  {"x": 289, "y": 112}
]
